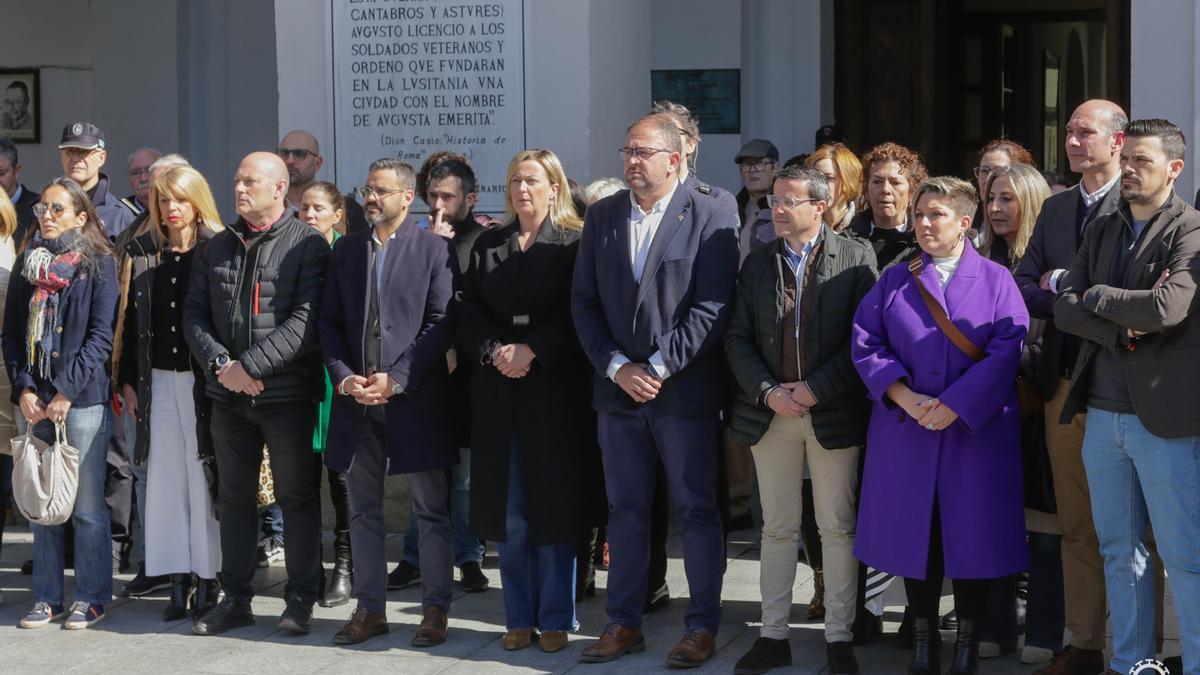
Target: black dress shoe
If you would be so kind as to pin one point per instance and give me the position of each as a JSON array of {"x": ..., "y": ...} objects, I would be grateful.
[
  {"x": 142, "y": 585},
  {"x": 473, "y": 579},
  {"x": 297, "y": 617},
  {"x": 228, "y": 614},
  {"x": 763, "y": 656},
  {"x": 405, "y": 575},
  {"x": 181, "y": 592},
  {"x": 840, "y": 656},
  {"x": 657, "y": 599}
]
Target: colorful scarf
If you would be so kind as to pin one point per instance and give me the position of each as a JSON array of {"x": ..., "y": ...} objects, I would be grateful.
[{"x": 50, "y": 266}]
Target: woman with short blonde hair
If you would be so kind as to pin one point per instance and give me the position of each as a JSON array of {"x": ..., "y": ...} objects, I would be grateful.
[
  {"x": 562, "y": 213},
  {"x": 844, "y": 173}
]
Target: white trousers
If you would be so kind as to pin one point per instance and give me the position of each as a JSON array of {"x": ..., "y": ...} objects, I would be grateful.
[
  {"x": 779, "y": 458},
  {"x": 182, "y": 535}
]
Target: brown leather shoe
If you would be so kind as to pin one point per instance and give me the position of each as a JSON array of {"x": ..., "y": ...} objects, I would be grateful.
[
  {"x": 362, "y": 626},
  {"x": 615, "y": 642},
  {"x": 517, "y": 638},
  {"x": 552, "y": 640},
  {"x": 1075, "y": 661},
  {"x": 692, "y": 651},
  {"x": 816, "y": 606},
  {"x": 432, "y": 631}
]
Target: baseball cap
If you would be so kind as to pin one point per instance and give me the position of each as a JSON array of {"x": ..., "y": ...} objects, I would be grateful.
[
  {"x": 83, "y": 135},
  {"x": 757, "y": 148}
]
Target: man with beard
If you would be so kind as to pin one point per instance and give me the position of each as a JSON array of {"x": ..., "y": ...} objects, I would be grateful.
[
  {"x": 1130, "y": 296},
  {"x": 301, "y": 154},
  {"x": 385, "y": 350},
  {"x": 651, "y": 298},
  {"x": 451, "y": 194}
]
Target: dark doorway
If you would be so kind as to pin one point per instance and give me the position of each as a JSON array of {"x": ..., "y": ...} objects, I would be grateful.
[{"x": 945, "y": 77}]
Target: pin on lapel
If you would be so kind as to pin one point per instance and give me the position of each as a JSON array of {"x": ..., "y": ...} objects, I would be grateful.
[{"x": 681, "y": 217}]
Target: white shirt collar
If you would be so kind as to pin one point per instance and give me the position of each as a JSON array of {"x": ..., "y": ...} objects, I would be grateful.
[
  {"x": 1090, "y": 200},
  {"x": 658, "y": 207}
]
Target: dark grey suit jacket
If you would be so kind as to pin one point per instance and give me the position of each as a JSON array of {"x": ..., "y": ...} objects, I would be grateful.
[
  {"x": 1161, "y": 370},
  {"x": 1053, "y": 247}
]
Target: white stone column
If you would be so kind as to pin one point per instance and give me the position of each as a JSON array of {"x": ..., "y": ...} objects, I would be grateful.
[{"x": 1164, "y": 55}]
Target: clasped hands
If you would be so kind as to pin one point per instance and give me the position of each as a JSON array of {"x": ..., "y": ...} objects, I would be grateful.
[
  {"x": 791, "y": 399},
  {"x": 34, "y": 412},
  {"x": 928, "y": 411},
  {"x": 512, "y": 360},
  {"x": 234, "y": 377},
  {"x": 373, "y": 390}
]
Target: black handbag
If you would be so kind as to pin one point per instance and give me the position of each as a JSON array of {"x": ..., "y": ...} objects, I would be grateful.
[{"x": 1035, "y": 466}]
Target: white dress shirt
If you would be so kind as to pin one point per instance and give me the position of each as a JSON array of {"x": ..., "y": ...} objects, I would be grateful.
[{"x": 643, "y": 225}]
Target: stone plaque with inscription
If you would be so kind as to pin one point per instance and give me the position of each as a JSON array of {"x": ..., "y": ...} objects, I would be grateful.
[{"x": 411, "y": 77}]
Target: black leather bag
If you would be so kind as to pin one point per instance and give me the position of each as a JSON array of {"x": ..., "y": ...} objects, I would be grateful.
[{"x": 1035, "y": 466}]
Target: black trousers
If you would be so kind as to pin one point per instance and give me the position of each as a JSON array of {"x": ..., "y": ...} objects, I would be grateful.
[
  {"x": 340, "y": 500},
  {"x": 924, "y": 595},
  {"x": 118, "y": 489},
  {"x": 239, "y": 432}
]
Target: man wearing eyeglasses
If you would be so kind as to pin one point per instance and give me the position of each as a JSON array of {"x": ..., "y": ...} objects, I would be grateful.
[
  {"x": 82, "y": 153},
  {"x": 650, "y": 299},
  {"x": 799, "y": 400},
  {"x": 301, "y": 154},
  {"x": 138, "y": 166},
  {"x": 385, "y": 328},
  {"x": 758, "y": 164}
]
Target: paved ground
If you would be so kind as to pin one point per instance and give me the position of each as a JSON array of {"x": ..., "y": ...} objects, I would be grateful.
[{"x": 134, "y": 639}]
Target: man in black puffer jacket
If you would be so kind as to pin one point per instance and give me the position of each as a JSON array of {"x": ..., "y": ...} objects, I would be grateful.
[{"x": 251, "y": 320}]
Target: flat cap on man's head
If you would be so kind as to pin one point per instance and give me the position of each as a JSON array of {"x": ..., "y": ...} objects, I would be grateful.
[
  {"x": 84, "y": 135},
  {"x": 758, "y": 149}
]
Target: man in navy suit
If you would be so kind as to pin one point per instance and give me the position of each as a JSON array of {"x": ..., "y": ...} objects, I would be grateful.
[
  {"x": 651, "y": 298},
  {"x": 385, "y": 328}
]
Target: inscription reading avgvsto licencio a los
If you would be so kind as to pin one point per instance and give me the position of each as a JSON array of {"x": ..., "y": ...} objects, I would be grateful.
[{"x": 415, "y": 76}]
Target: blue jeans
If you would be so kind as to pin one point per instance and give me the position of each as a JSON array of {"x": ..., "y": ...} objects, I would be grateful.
[
  {"x": 1045, "y": 613},
  {"x": 538, "y": 581},
  {"x": 88, "y": 430},
  {"x": 466, "y": 545},
  {"x": 1138, "y": 479}
]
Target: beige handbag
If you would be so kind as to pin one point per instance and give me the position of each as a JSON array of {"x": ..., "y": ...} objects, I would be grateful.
[{"x": 45, "y": 479}]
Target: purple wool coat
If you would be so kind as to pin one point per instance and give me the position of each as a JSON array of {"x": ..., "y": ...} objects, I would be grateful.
[{"x": 973, "y": 467}]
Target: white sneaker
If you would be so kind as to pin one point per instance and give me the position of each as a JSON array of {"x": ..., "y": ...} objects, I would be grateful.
[{"x": 1031, "y": 655}]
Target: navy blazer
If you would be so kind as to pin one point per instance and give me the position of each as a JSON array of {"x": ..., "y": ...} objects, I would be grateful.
[
  {"x": 83, "y": 343},
  {"x": 414, "y": 316},
  {"x": 680, "y": 308}
]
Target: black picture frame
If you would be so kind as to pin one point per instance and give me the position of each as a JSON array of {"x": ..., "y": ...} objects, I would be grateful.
[{"x": 16, "y": 125}]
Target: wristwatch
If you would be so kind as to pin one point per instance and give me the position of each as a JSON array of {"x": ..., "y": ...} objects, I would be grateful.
[
  {"x": 218, "y": 363},
  {"x": 397, "y": 389}
]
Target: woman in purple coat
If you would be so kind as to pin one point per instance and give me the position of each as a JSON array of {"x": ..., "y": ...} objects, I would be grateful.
[{"x": 941, "y": 493}]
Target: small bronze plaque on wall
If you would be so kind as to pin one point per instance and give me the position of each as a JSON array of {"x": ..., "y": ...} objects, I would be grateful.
[{"x": 713, "y": 96}]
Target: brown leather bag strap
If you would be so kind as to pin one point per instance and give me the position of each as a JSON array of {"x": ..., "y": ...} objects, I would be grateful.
[{"x": 939, "y": 316}]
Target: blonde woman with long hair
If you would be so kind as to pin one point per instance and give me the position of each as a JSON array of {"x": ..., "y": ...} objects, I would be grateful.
[
  {"x": 1012, "y": 201},
  {"x": 156, "y": 366},
  {"x": 515, "y": 320},
  {"x": 8, "y": 255}
]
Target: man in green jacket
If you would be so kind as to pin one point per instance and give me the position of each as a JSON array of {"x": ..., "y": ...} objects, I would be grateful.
[{"x": 800, "y": 400}]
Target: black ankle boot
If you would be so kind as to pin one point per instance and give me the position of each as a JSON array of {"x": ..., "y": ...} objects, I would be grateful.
[
  {"x": 205, "y": 597},
  {"x": 340, "y": 587},
  {"x": 181, "y": 590},
  {"x": 927, "y": 646},
  {"x": 966, "y": 649}
]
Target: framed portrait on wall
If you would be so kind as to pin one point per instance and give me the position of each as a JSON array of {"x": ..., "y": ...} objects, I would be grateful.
[{"x": 20, "y": 105}]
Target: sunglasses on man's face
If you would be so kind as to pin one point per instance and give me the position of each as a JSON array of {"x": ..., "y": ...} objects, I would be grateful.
[{"x": 297, "y": 154}]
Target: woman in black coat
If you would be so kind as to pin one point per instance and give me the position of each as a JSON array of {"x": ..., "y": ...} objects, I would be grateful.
[{"x": 530, "y": 399}]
